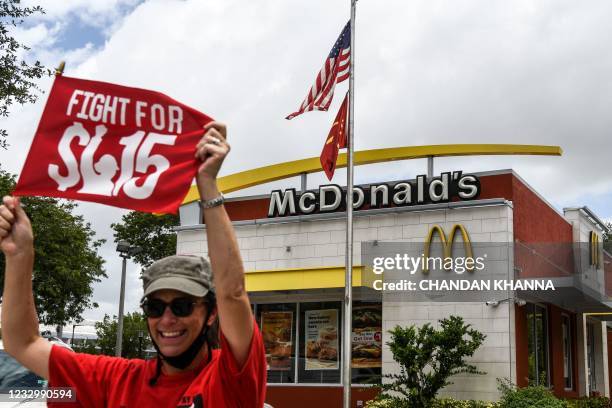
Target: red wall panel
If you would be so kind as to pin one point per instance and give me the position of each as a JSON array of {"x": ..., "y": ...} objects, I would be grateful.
[
  {"x": 545, "y": 238},
  {"x": 319, "y": 397},
  {"x": 535, "y": 220}
]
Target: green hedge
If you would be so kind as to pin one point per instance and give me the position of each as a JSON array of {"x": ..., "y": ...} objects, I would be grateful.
[
  {"x": 528, "y": 397},
  {"x": 593, "y": 402},
  {"x": 453, "y": 403},
  {"x": 438, "y": 403}
]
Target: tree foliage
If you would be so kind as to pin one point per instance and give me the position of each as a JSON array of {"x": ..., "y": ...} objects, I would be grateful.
[
  {"x": 428, "y": 358},
  {"x": 88, "y": 346},
  {"x": 16, "y": 75},
  {"x": 151, "y": 232},
  {"x": 133, "y": 323},
  {"x": 66, "y": 261}
]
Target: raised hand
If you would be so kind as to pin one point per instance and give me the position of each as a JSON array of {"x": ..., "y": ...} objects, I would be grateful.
[
  {"x": 16, "y": 236},
  {"x": 212, "y": 150}
]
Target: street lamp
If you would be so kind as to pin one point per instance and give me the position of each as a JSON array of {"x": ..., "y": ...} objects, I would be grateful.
[
  {"x": 72, "y": 339},
  {"x": 126, "y": 251},
  {"x": 140, "y": 337}
]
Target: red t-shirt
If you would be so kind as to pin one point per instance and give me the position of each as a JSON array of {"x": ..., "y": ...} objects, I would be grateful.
[{"x": 102, "y": 381}]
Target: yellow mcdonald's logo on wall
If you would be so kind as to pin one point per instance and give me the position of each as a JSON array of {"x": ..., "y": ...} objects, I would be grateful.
[
  {"x": 594, "y": 249},
  {"x": 447, "y": 243}
]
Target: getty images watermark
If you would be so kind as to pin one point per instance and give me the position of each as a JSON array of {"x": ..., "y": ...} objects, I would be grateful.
[
  {"x": 456, "y": 271},
  {"x": 459, "y": 265}
]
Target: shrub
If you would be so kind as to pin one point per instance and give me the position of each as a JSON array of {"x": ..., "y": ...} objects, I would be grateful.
[
  {"x": 437, "y": 403},
  {"x": 386, "y": 402},
  {"x": 527, "y": 397},
  {"x": 593, "y": 402},
  {"x": 428, "y": 358},
  {"x": 454, "y": 403}
]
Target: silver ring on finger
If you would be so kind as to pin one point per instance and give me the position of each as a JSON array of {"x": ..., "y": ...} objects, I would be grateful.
[{"x": 214, "y": 140}]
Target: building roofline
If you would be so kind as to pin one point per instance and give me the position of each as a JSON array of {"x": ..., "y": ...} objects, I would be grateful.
[
  {"x": 588, "y": 213},
  {"x": 534, "y": 191}
]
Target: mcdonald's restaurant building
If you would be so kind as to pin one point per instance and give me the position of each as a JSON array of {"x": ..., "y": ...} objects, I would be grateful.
[{"x": 293, "y": 246}]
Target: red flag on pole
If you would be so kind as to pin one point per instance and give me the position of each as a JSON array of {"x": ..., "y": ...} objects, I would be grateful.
[
  {"x": 121, "y": 146},
  {"x": 336, "y": 139}
]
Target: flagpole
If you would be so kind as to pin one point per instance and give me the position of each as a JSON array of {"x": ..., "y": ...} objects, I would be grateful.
[
  {"x": 60, "y": 69},
  {"x": 348, "y": 274}
]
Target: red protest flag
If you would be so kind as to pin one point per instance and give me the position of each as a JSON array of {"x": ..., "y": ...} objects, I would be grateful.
[
  {"x": 336, "y": 139},
  {"x": 111, "y": 144}
]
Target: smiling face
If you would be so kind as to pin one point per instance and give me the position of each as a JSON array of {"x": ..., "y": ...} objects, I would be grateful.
[{"x": 173, "y": 335}]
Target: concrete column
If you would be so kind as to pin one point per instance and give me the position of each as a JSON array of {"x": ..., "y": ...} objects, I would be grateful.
[
  {"x": 581, "y": 346},
  {"x": 512, "y": 335},
  {"x": 601, "y": 358}
]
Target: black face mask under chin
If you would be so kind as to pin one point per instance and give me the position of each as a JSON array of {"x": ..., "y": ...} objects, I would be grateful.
[{"x": 183, "y": 360}]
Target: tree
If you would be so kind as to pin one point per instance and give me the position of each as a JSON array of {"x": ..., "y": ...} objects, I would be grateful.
[
  {"x": 66, "y": 262},
  {"x": 133, "y": 325},
  {"x": 17, "y": 76},
  {"x": 428, "y": 358},
  {"x": 151, "y": 232},
  {"x": 85, "y": 346}
]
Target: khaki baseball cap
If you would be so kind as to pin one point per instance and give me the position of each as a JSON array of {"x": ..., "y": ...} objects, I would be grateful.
[{"x": 185, "y": 273}]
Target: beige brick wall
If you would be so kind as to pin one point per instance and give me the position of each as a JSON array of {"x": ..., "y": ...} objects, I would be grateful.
[{"x": 497, "y": 354}]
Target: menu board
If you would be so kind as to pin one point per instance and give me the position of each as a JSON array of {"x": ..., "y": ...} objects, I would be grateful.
[
  {"x": 276, "y": 329},
  {"x": 321, "y": 339},
  {"x": 366, "y": 344}
]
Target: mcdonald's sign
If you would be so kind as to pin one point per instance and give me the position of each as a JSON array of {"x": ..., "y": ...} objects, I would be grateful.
[
  {"x": 447, "y": 243},
  {"x": 594, "y": 249}
]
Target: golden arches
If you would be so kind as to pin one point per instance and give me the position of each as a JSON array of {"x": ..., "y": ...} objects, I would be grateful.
[
  {"x": 594, "y": 249},
  {"x": 447, "y": 244},
  {"x": 267, "y": 174}
]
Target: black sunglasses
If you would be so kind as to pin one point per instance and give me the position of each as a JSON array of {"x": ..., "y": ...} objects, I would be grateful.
[{"x": 180, "y": 307}]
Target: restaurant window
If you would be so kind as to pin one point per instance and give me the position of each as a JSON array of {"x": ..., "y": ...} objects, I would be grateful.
[
  {"x": 320, "y": 342},
  {"x": 277, "y": 323},
  {"x": 566, "y": 330},
  {"x": 367, "y": 343},
  {"x": 537, "y": 329}
]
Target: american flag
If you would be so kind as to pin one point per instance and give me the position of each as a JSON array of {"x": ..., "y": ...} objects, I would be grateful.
[{"x": 334, "y": 71}]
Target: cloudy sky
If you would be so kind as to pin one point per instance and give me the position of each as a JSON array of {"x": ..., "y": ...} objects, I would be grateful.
[{"x": 427, "y": 72}]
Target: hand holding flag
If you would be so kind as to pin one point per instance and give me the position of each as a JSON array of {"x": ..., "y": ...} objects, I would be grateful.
[
  {"x": 16, "y": 236},
  {"x": 212, "y": 150}
]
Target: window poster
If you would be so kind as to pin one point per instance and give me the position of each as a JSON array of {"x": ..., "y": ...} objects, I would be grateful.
[
  {"x": 367, "y": 336},
  {"x": 276, "y": 329},
  {"x": 321, "y": 339}
]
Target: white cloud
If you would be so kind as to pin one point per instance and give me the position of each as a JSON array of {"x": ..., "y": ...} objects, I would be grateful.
[
  {"x": 427, "y": 72},
  {"x": 39, "y": 36},
  {"x": 94, "y": 12}
]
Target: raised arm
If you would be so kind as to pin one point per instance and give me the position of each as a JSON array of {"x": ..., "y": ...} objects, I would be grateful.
[
  {"x": 19, "y": 320},
  {"x": 235, "y": 317}
]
